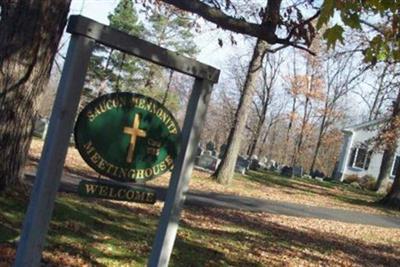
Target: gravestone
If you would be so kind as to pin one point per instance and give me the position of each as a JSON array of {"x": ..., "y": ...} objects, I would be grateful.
[
  {"x": 242, "y": 165},
  {"x": 255, "y": 164},
  {"x": 286, "y": 171},
  {"x": 298, "y": 171},
  {"x": 40, "y": 127},
  {"x": 199, "y": 151},
  {"x": 210, "y": 146},
  {"x": 207, "y": 153},
  {"x": 207, "y": 162},
  {"x": 317, "y": 173}
]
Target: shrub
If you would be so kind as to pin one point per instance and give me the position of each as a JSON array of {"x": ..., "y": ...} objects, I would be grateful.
[
  {"x": 367, "y": 182},
  {"x": 388, "y": 186},
  {"x": 348, "y": 179}
]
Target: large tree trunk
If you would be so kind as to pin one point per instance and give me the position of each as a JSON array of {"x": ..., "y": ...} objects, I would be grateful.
[
  {"x": 227, "y": 166},
  {"x": 384, "y": 170},
  {"x": 29, "y": 35},
  {"x": 392, "y": 199},
  {"x": 390, "y": 146}
]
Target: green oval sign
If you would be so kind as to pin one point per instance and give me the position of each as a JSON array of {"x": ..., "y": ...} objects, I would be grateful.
[{"x": 127, "y": 137}]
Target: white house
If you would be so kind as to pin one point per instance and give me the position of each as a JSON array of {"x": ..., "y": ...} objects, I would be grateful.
[{"x": 357, "y": 157}]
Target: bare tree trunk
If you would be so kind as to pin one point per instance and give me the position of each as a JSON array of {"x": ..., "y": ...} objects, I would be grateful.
[
  {"x": 289, "y": 128},
  {"x": 225, "y": 170},
  {"x": 257, "y": 132},
  {"x": 319, "y": 141},
  {"x": 392, "y": 199},
  {"x": 299, "y": 143},
  {"x": 29, "y": 35},
  {"x": 384, "y": 170}
]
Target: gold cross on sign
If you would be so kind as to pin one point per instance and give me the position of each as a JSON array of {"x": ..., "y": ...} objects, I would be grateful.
[{"x": 134, "y": 132}]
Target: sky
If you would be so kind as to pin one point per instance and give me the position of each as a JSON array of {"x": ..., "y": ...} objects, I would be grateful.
[{"x": 207, "y": 40}]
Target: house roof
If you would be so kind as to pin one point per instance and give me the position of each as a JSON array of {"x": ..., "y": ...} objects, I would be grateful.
[{"x": 362, "y": 125}]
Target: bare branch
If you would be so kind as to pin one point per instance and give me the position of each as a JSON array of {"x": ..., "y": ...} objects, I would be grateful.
[{"x": 264, "y": 31}]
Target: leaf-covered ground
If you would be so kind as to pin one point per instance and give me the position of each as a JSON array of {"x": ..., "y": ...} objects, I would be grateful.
[
  {"x": 105, "y": 233},
  {"x": 87, "y": 232},
  {"x": 259, "y": 185}
]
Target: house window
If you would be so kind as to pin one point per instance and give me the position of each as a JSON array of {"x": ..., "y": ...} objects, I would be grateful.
[
  {"x": 360, "y": 158},
  {"x": 396, "y": 165}
]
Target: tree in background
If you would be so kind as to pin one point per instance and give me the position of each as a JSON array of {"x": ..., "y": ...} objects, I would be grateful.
[
  {"x": 264, "y": 98},
  {"x": 381, "y": 19},
  {"x": 269, "y": 16},
  {"x": 340, "y": 76},
  {"x": 110, "y": 68},
  {"x": 226, "y": 168},
  {"x": 170, "y": 28}
]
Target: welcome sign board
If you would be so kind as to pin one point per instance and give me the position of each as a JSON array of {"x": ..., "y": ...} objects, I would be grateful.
[{"x": 127, "y": 137}]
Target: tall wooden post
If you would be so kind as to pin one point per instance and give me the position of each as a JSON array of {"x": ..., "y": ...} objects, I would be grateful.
[
  {"x": 51, "y": 163},
  {"x": 85, "y": 32},
  {"x": 168, "y": 225}
]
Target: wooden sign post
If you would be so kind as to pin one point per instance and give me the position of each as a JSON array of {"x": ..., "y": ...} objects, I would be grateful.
[{"x": 85, "y": 33}]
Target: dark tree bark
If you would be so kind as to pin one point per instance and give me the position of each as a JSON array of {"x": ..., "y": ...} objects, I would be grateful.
[
  {"x": 225, "y": 170},
  {"x": 392, "y": 199},
  {"x": 390, "y": 146},
  {"x": 29, "y": 35},
  {"x": 266, "y": 30}
]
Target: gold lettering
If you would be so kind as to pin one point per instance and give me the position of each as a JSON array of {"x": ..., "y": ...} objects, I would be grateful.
[
  {"x": 121, "y": 193},
  {"x": 152, "y": 142},
  {"x": 95, "y": 158},
  {"x": 150, "y": 197},
  {"x": 153, "y": 151},
  {"x": 110, "y": 166},
  {"x": 89, "y": 147},
  {"x": 141, "y": 104},
  {"x": 123, "y": 172},
  {"x": 131, "y": 174},
  {"x": 156, "y": 169},
  {"x": 91, "y": 116},
  {"x": 102, "y": 164},
  {"x": 140, "y": 174},
  {"x": 90, "y": 188},
  {"x": 135, "y": 100},
  {"x": 110, "y": 104},
  {"x": 115, "y": 170},
  {"x": 130, "y": 194},
  {"x": 110, "y": 193},
  {"x": 169, "y": 161},
  {"x": 162, "y": 166},
  {"x": 138, "y": 196},
  {"x": 103, "y": 190},
  {"x": 148, "y": 172}
]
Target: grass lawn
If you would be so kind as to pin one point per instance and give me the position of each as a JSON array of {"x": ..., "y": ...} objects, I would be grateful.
[{"x": 86, "y": 232}]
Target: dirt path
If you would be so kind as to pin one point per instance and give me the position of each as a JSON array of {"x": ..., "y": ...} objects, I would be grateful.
[{"x": 210, "y": 199}]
